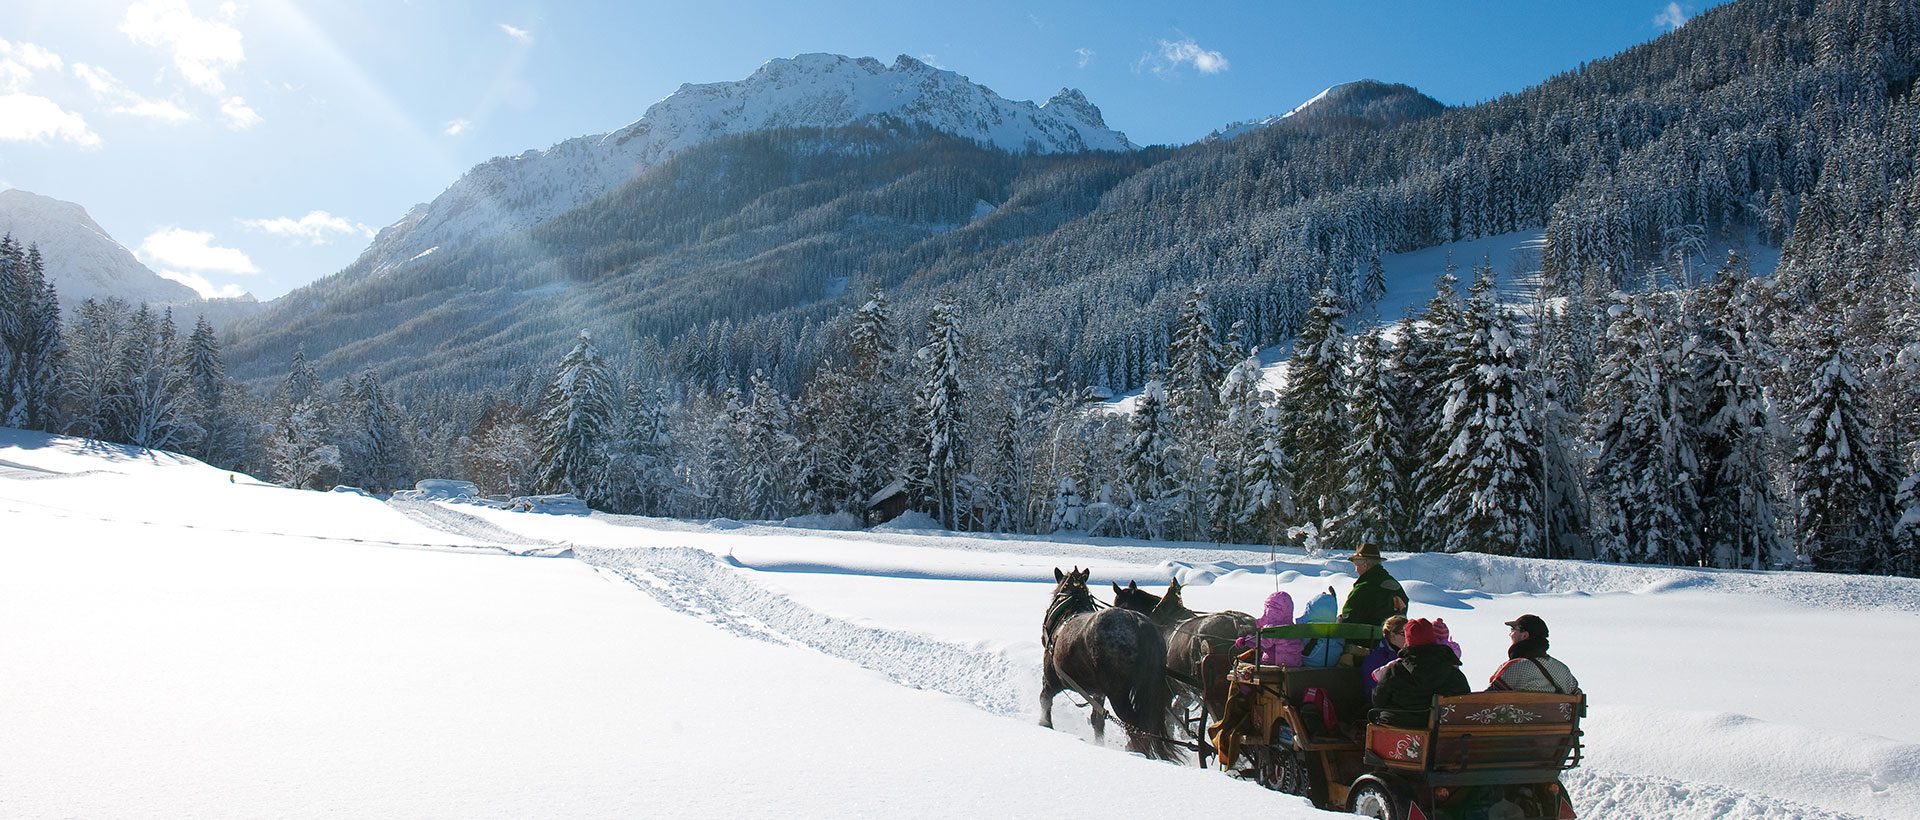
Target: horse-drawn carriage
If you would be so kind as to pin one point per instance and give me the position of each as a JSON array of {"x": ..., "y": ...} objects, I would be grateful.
[
  {"x": 1310, "y": 732},
  {"x": 1306, "y": 731}
]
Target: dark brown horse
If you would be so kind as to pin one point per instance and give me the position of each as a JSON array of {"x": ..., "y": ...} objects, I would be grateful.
[
  {"x": 1190, "y": 635},
  {"x": 1107, "y": 655}
]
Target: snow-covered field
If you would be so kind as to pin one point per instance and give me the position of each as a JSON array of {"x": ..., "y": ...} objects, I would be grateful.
[{"x": 176, "y": 641}]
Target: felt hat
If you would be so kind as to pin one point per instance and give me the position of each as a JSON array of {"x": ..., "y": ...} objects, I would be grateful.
[{"x": 1367, "y": 551}]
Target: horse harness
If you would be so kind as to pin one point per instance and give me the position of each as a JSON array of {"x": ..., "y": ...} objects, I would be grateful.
[{"x": 1064, "y": 606}]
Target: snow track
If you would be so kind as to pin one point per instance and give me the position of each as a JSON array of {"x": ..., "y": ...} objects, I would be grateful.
[
  {"x": 700, "y": 584},
  {"x": 435, "y": 516}
]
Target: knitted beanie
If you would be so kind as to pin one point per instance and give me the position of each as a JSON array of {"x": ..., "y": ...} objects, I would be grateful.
[{"x": 1419, "y": 632}]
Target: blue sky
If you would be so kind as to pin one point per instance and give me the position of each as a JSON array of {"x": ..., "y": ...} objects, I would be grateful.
[{"x": 255, "y": 145}]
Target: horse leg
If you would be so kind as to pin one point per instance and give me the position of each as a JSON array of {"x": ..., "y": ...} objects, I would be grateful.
[
  {"x": 1049, "y": 686},
  {"x": 1099, "y": 718}
]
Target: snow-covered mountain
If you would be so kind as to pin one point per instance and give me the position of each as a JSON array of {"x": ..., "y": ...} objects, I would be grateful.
[
  {"x": 1382, "y": 104},
  {"x": 808, "y": 91},
  {"x": 82, "y": 260}
]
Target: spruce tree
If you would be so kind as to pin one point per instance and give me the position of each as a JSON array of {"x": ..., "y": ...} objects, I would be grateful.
[
  {"x": 1372, "y": 458},
  {"x": 1844, "y": 491},
  {"x": 301, "y": 453},
  {"x": 1268, "y": 478},
  {"x": 375, "y": 449},
  {"x": 30, "y": 344},
  {"x": 942, "y": 411},
  {"x": 1313, "y": 411},
  {"x": 1905, "y": 559},
  {"x": 1737, "y": 496},
  {"x": 1152, "y": 462},
  {"x": 1488, "y": 476},
  {"x": 1430, "y": 350},
  {"x": 578, "y": 419},
  {"x": 768, "y": 449},
  {"x": 1647, "y": 471}
]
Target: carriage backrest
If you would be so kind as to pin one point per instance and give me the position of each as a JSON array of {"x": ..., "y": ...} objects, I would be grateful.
[{"x": 1486, "y": 730}]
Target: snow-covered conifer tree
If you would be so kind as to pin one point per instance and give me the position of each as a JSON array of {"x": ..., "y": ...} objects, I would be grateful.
[
  {"x": 578, "y": 418},
  {"x": 90, "y": 380},
  {"x": 1153, "y": 465},
  {"x": 1906, "y": 532},
  {"x": 1646, "y": 475},
  {"x": 1840, "y": 478},
  {"x": 156, "y": 411},
  {"x": 1736, "y": 431},
  {"x": 1558, "y": 370},
  {"x": 1194, "y": 365},
  {"x": 1268, "y": 479},
  {"x": 942, "y": 410},
  {"x": 1241, "y": 433},
  {"x": 642, "y": 474},
  {"x": 1067, "y": 505},
  {"x": 222, "y": 437},
  {"x": 1425, "y": 359},
  {"x": 300, "y": 452},
  {"x": 374, "y": 448},
  {"x": 29, "y": 338},
  {"x": 768, "y": 448},
  {"x": 1418, "y": 369},
  {"x": 1488, "y": 476},
  {"x": 1373, "y": 458},
  {"x": 1313, "y": 412}
]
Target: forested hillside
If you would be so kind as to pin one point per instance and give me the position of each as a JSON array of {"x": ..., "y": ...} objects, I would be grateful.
[{"x": 797, "y": 321}]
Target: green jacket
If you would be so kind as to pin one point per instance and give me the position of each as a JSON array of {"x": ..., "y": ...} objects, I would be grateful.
[{"x": 1372, "y": 599}]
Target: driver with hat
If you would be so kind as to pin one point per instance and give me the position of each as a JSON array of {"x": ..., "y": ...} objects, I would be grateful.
[{"x": 1375, "y": 596}]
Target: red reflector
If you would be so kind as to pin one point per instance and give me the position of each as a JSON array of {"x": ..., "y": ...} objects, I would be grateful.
[
  {"x": 1441, "y": 794},
  {"x": 1566, "y": 809},
  {"x": 1414, "y": 812}
]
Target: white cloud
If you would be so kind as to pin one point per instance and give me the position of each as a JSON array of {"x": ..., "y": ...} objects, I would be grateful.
[
  {"x": 200, "y": 285},
  {"x": 520, "y": 34},
  {"x": 20, "y": 61},
  {"x": 317, "y": 227},
  {"x": 1175, "y": 53},
  {"x": 108, "y": 89},
  {"x": 201, "y": 49},
  {"x": 1085, "y": 55},
  {"x": 27, "y": 118},
  {"x": 240, "y": 116},
  {"x": 194, "y": 251},
  {"x": 456, "y": 127},
  {"x": 1672, "y": 17}
]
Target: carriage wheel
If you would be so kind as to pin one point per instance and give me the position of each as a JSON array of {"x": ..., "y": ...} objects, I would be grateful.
[
  {"x": 1282, "y": 770},
  {"x": 1373, "y": 800}
]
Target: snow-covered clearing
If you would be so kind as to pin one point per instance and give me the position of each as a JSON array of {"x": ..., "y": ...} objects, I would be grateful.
[{"x": 175, "y": 641}]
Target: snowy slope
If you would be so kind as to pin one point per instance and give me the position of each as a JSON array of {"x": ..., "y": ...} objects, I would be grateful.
[
  {"x": 1382, "y": 104},
  {"x": 83, "y": 262},
  {"x": 1411, "y": 278},
  {"x": 182, "y": 642},
  {"x": 808, "y": 91}
]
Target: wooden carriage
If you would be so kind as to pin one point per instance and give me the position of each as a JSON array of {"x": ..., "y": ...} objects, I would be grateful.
[{"x": 1311, "y": 732}]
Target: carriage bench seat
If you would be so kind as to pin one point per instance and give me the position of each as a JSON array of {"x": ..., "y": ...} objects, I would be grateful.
[{"x": 1486, "y": 731}]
